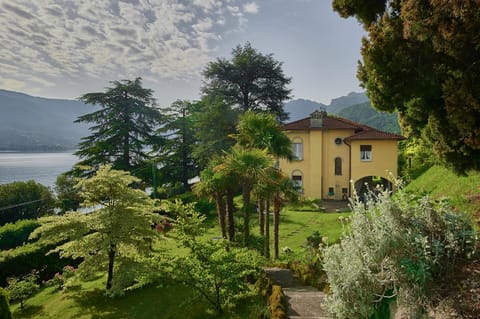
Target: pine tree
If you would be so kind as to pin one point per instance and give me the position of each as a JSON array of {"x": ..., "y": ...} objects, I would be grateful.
[{"x": 122, "y": 128}]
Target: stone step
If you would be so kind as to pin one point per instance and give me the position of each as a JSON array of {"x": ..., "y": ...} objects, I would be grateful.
[{"x": 304, "y": 302}]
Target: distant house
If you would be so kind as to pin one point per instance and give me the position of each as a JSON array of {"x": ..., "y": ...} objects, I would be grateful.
[{"x": 330, "y": 152}]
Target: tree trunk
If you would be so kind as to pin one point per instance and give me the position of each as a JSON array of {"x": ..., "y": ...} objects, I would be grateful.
[
  {"x": 276, "y": 222},
  {"x": 221, "y": 213},
  {"x": 267, "y": 229},
  {"x": 246, "y": 212},
  {"x": 230, "y": 210},
  {"x": 111, "y": 259},
  {"x": 261, "y": 209}
]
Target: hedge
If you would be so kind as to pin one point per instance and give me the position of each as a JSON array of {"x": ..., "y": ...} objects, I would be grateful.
[{"x": 16, "y": 234}]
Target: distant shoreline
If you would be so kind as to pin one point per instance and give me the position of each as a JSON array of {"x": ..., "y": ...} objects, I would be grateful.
[{"x": 38, "y": 150}]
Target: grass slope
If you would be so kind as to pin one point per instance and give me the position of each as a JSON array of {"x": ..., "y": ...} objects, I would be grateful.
[{"x": 440, "y": 182}]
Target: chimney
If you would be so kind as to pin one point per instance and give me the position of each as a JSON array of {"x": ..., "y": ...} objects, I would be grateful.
[{"x": 316, "y": 118}]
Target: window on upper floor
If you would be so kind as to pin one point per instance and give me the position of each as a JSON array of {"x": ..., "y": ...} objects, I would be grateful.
[
  {"x": 297, "y": 150},
  {"x": 365, "y": 152},
  {"x": 338, "y": 166}
]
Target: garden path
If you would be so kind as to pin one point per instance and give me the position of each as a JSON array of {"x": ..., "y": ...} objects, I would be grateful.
[{"x": 304, "y": 302}]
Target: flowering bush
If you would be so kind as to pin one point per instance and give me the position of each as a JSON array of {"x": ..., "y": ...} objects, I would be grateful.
[
  {"x": 59, "y": 280},
  {"x": 396, "y": 248}
]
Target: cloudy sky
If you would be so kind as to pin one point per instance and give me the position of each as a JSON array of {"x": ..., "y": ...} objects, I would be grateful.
[{"x": 65, "y": 48}]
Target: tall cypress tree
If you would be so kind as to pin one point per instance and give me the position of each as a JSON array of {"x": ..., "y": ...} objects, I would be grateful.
[{"x": 122, "y": 128}]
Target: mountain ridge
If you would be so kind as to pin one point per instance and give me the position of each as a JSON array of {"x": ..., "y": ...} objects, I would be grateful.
[
  {"x": 31, "y": 123},
  {"x": 354, "y": 106}
]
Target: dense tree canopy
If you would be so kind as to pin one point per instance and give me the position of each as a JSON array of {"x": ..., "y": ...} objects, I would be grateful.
[
  {"x": 24, "y": 200},
  {"x": 250, "y": 80},
  {"x": 175, "y": 153},
  {"x": 422, "y": 59},
  {"x": 123, "y": 127},
  {"x": 214, "y": 124}
]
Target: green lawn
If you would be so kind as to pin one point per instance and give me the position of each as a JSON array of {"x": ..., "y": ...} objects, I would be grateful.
[
  {"x": 154, "y": 301},
  {"x": 295, "y": 226},
  {"x": 439, "y": 182},
  {"x": 173, "y": 301}
]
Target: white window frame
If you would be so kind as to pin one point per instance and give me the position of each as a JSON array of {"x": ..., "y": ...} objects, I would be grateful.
[
  {"x": 366, "y": 153},
  {"x": 297, "y": 150}
]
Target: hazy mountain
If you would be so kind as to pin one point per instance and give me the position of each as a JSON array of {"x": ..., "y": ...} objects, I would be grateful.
[
  {"x": 35, "y": 123},
  {"x": 300, "y": 108},
  {"x": 354, "y": 106},
  {"x": 353, "y": 98},
  {"x": 364, "y": 113}
]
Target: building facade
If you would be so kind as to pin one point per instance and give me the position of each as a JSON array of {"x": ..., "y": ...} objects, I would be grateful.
[{"x": 330, "y": 152}]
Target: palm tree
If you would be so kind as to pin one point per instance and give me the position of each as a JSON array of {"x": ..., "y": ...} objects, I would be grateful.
[
  {"x": 247, "y": 165},
  {"x": 212, "y": 186},
  {"x": 264, "y": 191},
  {"x": 285, "y": 192},
  {"x": 263, "y": 131}
]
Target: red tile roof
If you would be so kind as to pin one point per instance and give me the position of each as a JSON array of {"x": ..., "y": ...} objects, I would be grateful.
[
  {"x": 374, "y": 135},
  {"x": 362, "y": 132}
]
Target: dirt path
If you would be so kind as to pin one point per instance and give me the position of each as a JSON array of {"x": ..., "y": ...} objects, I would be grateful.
[{"x": 304, "y": 302}]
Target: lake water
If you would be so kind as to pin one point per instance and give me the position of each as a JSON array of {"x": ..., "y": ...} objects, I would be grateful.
[{"x": 43, "y": 168}]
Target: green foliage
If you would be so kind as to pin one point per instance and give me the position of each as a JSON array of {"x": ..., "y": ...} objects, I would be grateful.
[
  {"x": 24, "y": 200},
  {"x": 250, "y": 80},
  {"x": 175, "y": 153},
  {"x": 20, "y": 289},
  {"x": 61, "y": 280},
  {"x": 21, "y": 260},
  {"x": 214, "y": 270},
  {"x": 115, "y": 238},
  {"x": 263, "y": 131},
  {"x": 5, "y": 312},
  {"x": 247, "y": 165},
  {"x": 421, "y": 59},
  {"x": 122, "y": 128},
  {"x": 396, "y": 248},
  {"x": 214, "y": 123},
  {"x": 414, "y": 158},
  {"x": 16, "y": 234},
  {"x": 67, "y": 196}
]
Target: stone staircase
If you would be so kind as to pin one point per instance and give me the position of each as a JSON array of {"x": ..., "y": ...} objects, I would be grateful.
[{"x": 304, "y": 302}]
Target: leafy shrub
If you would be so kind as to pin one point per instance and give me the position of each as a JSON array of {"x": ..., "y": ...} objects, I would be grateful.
[
  {"x": 5, "y": 312},
  {"x": 59, "y": 280},
  {"x": 396, "y": 248},
  {"x": 21, "y": 260},
  {"x": 214, "y": 270},
  {"x": 20, "y": 289},
  {"x": 13, "y": 235}
]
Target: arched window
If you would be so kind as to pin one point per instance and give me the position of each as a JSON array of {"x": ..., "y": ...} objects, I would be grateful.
[
  {"x": 297, "y": 148},
  {"x": 338, "y": 166},
  {"x": 297, "y": 178}
]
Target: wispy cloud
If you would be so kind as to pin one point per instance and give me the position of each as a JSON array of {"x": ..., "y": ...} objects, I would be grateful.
[
  {"x": 250, "y": 7},
  {"x": 52, "y": 40}
]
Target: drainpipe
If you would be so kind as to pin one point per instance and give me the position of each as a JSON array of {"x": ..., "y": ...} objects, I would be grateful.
[{"x": 349, "y": 168}]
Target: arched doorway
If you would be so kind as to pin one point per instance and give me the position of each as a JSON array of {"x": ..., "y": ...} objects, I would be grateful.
[{"x": 363, "y": 185}]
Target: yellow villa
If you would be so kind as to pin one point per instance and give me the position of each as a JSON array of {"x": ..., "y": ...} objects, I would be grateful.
[{"x": 330, "y": 152}]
